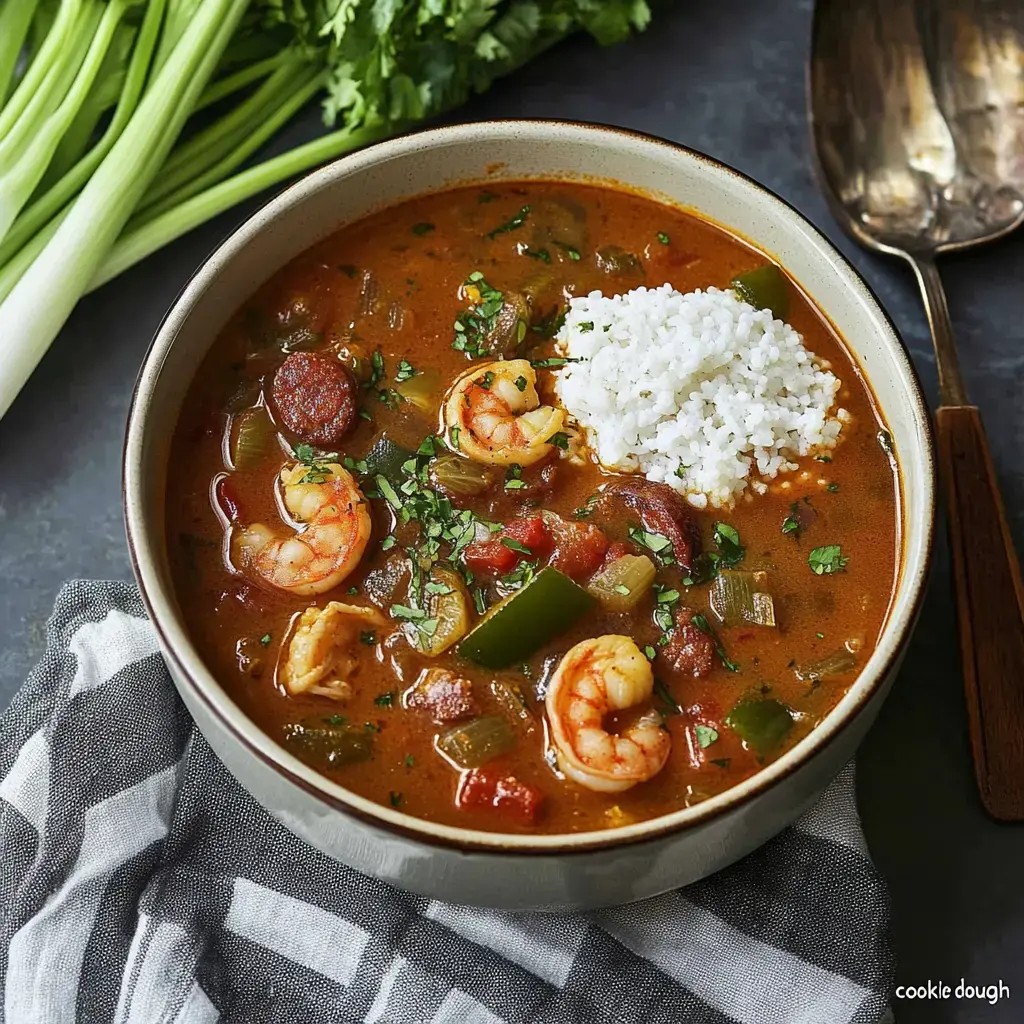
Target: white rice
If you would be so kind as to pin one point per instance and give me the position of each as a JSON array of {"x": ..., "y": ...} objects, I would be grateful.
[{"x": 699, "y": 391}]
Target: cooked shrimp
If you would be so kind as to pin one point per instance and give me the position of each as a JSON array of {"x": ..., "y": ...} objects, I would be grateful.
[
  {"x": 320, "y": 658},
  {"x": 598, "y": 676},
  {"x": 497, "y": 414},
  {"x": 317, "y": 558}
]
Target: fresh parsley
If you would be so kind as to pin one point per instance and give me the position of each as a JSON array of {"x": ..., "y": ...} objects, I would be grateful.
[
  {"x": 827, "y": 559},
  {"x": 510, "y": 225},
  {"x": 385, "y": 700},
  {"x": 704, "y": 735},
  {"x": 474, "y": 326},
  {"x": 705, "y": 627},
  {"x": 663, "y": 238}
]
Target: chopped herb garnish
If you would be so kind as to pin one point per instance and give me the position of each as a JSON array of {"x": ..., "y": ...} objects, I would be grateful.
[
  {"x": 388, "y": 543},
  {"x": 395, "y": 798},
  {"x": 405, "y": 371},
  {"x": 537, "y": 254},
  {"x": 516, "y": 545},
  {"x": 423, "y": 228},
  {"x": 587, "y": 508},
  {"x": 521, "y": 383},
  {"x": 388, "y": 492},
  {"x": 791, "y": 524},
  {"x": 318, "y": 472},
  {"x": 663, "y": 238},
  {"x": 353, "y": 590},
  {"x": 822, "y": 458},
  {"x": 265, "y": 639},
  {"x": 665, "y": 695},
  {"x": 657, "y": 543},
  {"x": 705, "y": 735},
  {"x": 453, "y": 436},
  {"x": 728, "y": 540},
  {"x": 826, "y": 560},
  {"x": 650, "y": 653},
  {"x": 368, "y": 637},
  {"x": 385, "y": 700},
  {"x": 621, "y": 588},
  {"x": 407, "y": 614},
  {"x": 572, "y": 253},
  {"x": 705, "y": 627},
  {"x": 560, "y": 440},
  {"x": 551, "y": 362},
  {"x": 513, "y": 475},
  {"x": 474, "y": 326},
  {"x": 336, "y": 720},
  {"x": 409, "y": 760},
  {"x": 376, "y": 368},
  {"x": 510, "y": 225},
  {"x": 585, "y": 327},
  {"x": 485, "y": 381},
  {"x": 820, "y": 636},
  {"x": 832, "y": 488}
]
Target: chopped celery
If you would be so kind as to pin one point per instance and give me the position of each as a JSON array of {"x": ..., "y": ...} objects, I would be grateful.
[
  {"x": 386, "y": 459},
  {"x": 621, "y": 585},
  {"x": 516, "y": 627},
  {"x": 762, "y": 724},
  {"x": 421, "y": 390},
  {"x": 477, "y": 741},
  {"x": 460, "y": 476},
  {"x": 252, "y": 438},
  {"x": 738, "y": 597},
  {"x": 764, "y": 288},
  {"x": 511, "y": 696},
  {"x": 331, "y": 741},
  {"x": 834, "y": 665},
  {"x": 449, "y": 604}
]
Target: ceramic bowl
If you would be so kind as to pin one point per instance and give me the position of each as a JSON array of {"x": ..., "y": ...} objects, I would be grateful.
[{"x": 482, "y": 868}]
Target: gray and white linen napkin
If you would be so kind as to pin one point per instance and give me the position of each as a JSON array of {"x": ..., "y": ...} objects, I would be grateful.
[{"x": 139, "y": 882}]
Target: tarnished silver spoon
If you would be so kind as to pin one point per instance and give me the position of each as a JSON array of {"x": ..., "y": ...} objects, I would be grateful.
[{"x": 917, "y": 115}]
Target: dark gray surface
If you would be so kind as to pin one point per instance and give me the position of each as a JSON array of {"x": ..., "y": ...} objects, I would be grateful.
[{"x": 726, "y": 78}]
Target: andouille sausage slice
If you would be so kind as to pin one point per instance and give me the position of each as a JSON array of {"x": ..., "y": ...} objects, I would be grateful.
[{"x": 315, "y": 397}]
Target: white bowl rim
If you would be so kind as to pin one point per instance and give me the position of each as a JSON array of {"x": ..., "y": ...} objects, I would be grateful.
[{"x": 176, "y": 645}]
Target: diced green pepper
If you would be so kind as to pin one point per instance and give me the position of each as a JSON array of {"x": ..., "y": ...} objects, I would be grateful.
[
  {"x": 477, "y": 741},
  {"x": 761, "y": 723},
  {"x": 512, "y": 630},
  {"x": 764, "y": 288},
  {"x": 386, "y": 459},
  {"x": 331, "y": 745}
]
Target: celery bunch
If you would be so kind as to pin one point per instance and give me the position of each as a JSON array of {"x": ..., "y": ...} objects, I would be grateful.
[{"x": 126, "y": 123}]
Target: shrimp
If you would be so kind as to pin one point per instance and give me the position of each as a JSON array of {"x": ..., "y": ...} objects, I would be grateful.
[
  {"x": 319, "y": 658},
  {"x": 318, "y": 557},
  {"x": 598, "y": 676},
  {"x": 493, "y": 414}
]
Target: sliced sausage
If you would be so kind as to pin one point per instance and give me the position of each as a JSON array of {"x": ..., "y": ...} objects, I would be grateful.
[
  {"x": 663, "y": 511},
  {"x": 445, "y": 695},
  {"x": 315, "y": 398},
  {"x": 689, "y": 651}
]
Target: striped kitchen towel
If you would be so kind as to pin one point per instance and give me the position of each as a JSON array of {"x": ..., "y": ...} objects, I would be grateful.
[{"x": 139, "y": 882}]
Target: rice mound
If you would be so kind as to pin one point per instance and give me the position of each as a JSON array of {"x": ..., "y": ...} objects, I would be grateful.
[{"x": 698, "y": 391}]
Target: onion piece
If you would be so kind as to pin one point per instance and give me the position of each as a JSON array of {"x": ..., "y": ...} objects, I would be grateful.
[
  {"x": 738, "y": 598},
  {"x": 473, "y": 743},
  {"x": 622, "y": 584},
  {"x": 252, "y": 437}
]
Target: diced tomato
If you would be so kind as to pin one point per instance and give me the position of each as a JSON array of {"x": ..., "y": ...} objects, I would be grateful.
[
  {"x": 617, "y": 550},
  {"x": 531, "y": 532},
  {"x": 579, "y": 548},
  {"x": 517, "y": 800},
  {"x": 227, "y": 499},
  {"x": 492, "y": 557}
]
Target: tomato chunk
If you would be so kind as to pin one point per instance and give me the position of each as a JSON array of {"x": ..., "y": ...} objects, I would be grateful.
[
  {"x": 505, "y": 793},
  {"x": 579, "y": 548},
  {"x": 496, "y": 557},
  {"x": 227, "y": 499}
]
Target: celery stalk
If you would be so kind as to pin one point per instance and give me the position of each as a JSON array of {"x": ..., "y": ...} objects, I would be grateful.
[
  {"x": 18, "y": 181},
  {"x": 35, "y": 217},
  {"x": 41, "y": 301},
  {"x": 15, "y": 19}
]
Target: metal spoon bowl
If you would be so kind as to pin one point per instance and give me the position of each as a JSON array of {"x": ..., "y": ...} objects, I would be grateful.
[{"x": 917, "y": 116}]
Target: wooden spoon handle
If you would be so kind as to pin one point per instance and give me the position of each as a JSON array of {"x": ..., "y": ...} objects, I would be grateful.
[{"x": 990, "y": 607}]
